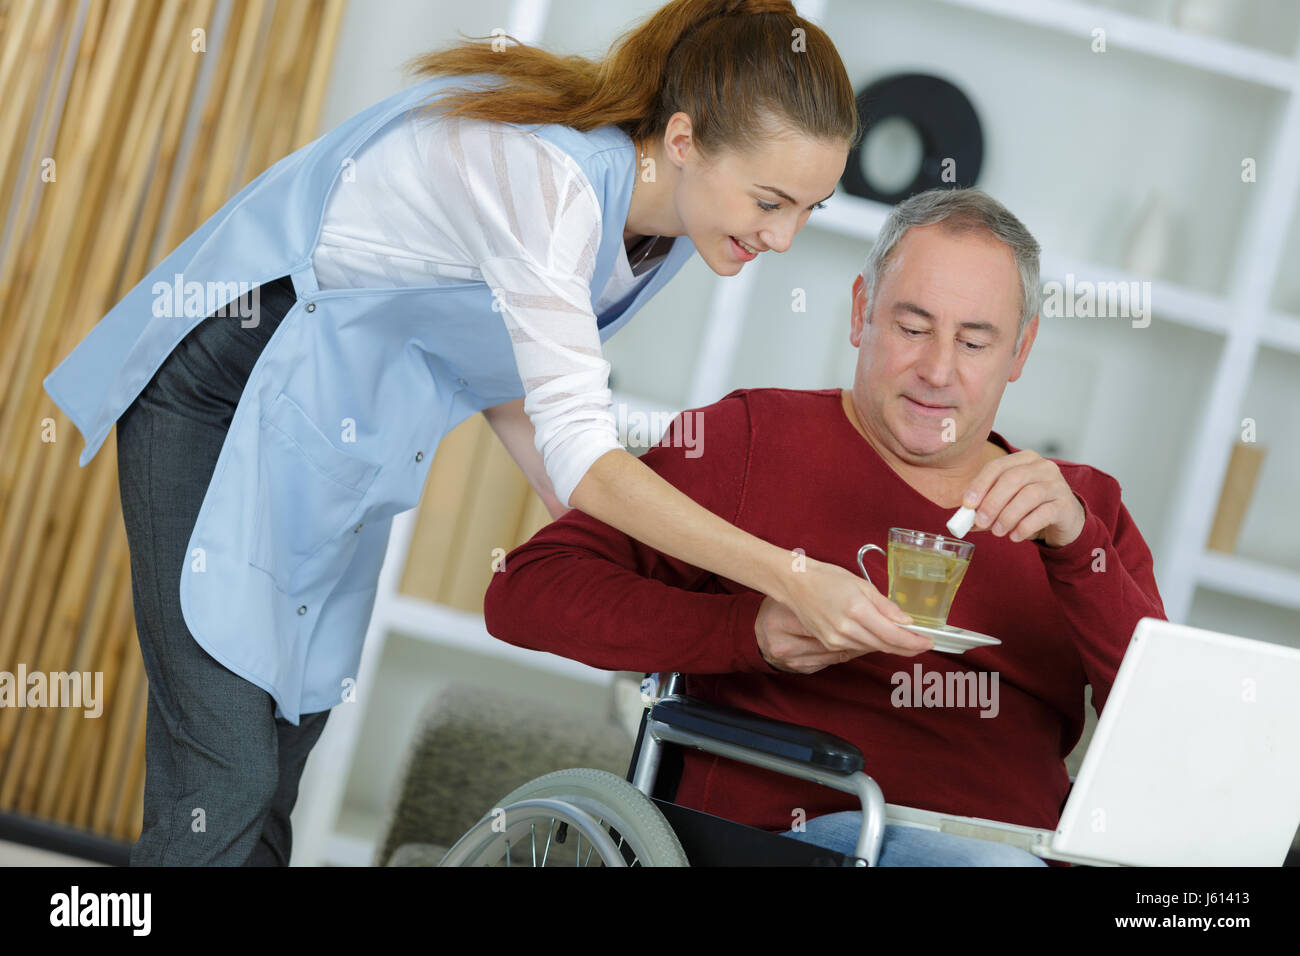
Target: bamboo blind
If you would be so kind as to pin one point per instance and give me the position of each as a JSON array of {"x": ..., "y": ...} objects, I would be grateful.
[{"x": 122, "y": 130}]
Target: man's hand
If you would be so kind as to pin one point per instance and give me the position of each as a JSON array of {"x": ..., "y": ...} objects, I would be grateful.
[
  {"x": 1025, "y": 496},
  {"x": 784, "y": 643}
]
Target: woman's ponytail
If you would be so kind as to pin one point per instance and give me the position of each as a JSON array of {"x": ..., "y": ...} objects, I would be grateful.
[{"x": 743, "y": 70}]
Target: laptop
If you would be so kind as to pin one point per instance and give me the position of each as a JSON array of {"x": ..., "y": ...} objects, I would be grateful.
[{"x": 1195, "y": 760}]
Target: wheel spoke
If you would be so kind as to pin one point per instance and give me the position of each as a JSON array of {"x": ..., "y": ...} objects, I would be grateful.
[
  {"x": 548, "y": 841},
  {"x": 593, "y": 846},
  {"x": 597, "y": 805}
]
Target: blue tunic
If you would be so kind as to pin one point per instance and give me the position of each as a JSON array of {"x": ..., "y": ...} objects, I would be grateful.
[{"x": 343, "y": 411}]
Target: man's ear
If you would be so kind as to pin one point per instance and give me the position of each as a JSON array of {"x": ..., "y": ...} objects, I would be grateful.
[
  {"x": 1027, "y": 340},
  {"x": 857, "y": 310}
]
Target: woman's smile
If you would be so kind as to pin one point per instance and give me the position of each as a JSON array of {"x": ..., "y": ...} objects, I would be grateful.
[{"x": 743, "y": 251}]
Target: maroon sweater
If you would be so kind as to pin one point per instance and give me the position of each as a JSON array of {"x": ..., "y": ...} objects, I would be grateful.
[{"x": 789, "y": 467}]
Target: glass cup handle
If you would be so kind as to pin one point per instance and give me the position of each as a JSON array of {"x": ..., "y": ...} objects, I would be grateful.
[{"x": 863, "y": 550}]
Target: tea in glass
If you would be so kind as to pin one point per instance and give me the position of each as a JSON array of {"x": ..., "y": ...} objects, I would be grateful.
[{"x": 925, "y": 571}]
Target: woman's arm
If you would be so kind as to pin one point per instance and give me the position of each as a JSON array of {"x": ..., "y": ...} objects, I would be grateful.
[
  {"x": 842, "y": 610},
  {"x": 541, "y": 278},
  {"x": 512, "y": 426}
]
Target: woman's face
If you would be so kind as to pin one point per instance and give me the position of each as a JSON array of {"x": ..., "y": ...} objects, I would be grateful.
[{"x": 761, "y": 199}]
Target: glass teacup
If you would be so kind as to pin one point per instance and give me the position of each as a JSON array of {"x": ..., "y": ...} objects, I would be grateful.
[{"x": 924, "y": 572}]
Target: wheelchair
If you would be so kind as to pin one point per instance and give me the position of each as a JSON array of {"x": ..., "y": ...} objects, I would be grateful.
[{"x": 633, "y": 821}]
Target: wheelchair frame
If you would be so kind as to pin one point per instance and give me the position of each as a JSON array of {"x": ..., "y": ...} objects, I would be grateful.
[
  {"x": 674, "y": 718},
  {"x": 794, "y": 750}
]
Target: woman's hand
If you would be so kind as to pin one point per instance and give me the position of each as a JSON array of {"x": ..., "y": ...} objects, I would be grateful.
[
  {"x": 784, "y": 645},
  {"x": 846, "y": 614}
]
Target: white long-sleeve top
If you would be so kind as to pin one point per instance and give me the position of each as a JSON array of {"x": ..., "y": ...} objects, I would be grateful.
[{"x": 448, "y": 199}]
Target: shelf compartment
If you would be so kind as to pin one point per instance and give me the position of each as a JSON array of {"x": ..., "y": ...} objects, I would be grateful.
[
  {"x": 1161, "y": 41},
  {"x": 1255, "y": 580},
  {"x": 859, "y": 218}
]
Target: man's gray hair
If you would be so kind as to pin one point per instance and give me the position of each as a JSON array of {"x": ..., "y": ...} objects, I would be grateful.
[{"x": 961, "y": 210}]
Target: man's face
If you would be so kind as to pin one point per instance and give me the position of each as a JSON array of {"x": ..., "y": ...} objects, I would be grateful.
[{"x": 942, "y": 334}]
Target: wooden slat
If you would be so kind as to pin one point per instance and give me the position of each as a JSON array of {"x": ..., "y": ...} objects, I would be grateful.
[
  {"x": 20, "y": 103},
  {"x": 122, "y": 728},
  {"x": 59, "y": 795},
  {"x": 45, "y": 466},
  {"x": 322, "y": 57},
  {"x": 110, "y": 105},
  {"x": 236, "y": 100},
  {"x": 287, "y": 21},
  {"x": 181, "y": 90},
  {"x": 289, "y": 107},
  {"x": 182, "y": 214},
  {"x": 50, "y": 767},
  {"x": 30, "y": 187}
]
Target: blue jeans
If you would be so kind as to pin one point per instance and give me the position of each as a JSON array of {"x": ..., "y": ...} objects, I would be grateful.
[{"x": 911, "y": 846}]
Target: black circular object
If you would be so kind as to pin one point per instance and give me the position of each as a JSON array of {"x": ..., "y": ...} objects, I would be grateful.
[{"x": 943, "y": 117}]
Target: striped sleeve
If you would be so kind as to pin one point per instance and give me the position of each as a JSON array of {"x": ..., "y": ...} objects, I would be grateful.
[{"x": 535, "y": 230}]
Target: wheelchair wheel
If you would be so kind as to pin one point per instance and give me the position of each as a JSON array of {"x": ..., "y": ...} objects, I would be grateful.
[{"x": 579, "y": 817}]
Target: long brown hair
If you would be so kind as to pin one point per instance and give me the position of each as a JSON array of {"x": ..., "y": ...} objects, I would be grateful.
[{"x": 742, "y": 70}]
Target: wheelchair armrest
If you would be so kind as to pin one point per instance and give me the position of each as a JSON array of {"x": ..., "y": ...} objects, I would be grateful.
[{"x": 777, "y": 738}]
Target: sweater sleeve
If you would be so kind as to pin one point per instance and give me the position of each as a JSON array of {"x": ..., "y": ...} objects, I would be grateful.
[
  {"x": 535, "y": 233},
  {"x": 587, "y": 591},
  {"x": 1104, "y": 581}
]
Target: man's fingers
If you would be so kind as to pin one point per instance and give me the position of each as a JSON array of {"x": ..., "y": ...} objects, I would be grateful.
[
  {"x": 998, "y": 482},
  {"x": 1024, "y": 501},
  {"x": 991, "y": 472}
]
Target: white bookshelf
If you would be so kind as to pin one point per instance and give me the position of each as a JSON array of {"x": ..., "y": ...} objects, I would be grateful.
[
  {"x": 1223, "y": 316},
  {"x": 1139, "y": 34}
]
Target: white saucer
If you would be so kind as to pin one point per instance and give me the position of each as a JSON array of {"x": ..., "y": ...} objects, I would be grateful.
[{"x": 952, "y": 640}]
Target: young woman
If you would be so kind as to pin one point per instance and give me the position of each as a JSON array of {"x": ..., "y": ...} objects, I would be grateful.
[{"x": 410, "y": 268}]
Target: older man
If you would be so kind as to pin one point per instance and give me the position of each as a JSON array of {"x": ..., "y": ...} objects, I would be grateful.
[{"x": 943, "y": 316}]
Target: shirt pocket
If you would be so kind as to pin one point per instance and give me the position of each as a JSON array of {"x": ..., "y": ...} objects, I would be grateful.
[{"x": 307, "y": 493}]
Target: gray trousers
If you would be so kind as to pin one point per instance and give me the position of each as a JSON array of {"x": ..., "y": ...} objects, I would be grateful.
[{"x": 221, "y": 771}]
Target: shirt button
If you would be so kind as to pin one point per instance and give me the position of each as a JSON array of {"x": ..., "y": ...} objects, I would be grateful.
[
  {"x": 302, "y": 609},
  {"x": 310, "y": 307},
  {"x": 461, "y": 381},
  {"x": 357, "y": 528},
  {"x": 419, "y": 456}
]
